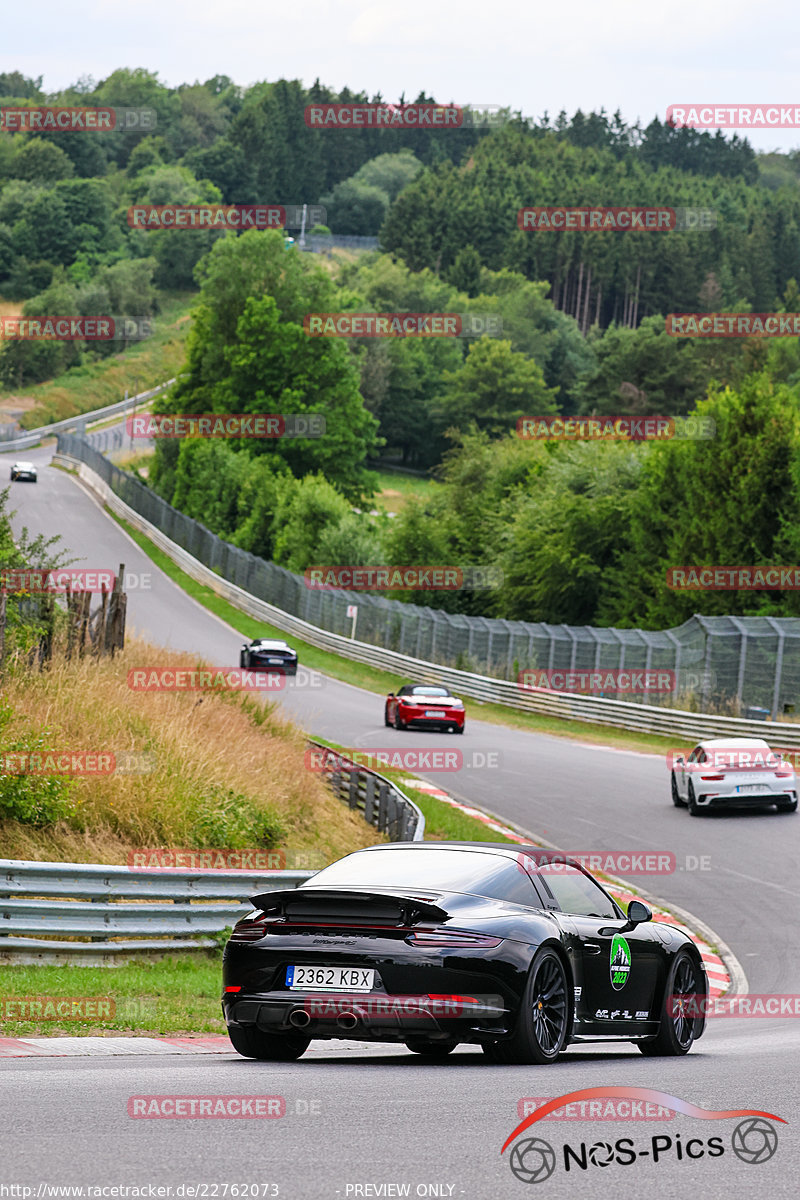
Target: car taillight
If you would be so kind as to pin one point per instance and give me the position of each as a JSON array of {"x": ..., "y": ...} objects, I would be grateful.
[
  {"x": 715, "y": 778},
  {"x": 450, "y": 937},
  {"x": 252, "y": 929},
  {"x": 233, "y": 989},
  {"x": 784, "y": 772}
]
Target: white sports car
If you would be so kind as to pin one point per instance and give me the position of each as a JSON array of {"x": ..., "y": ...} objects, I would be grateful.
[
  {"x": 732, "y": 772},
  {"x": 23, "y": 470}
]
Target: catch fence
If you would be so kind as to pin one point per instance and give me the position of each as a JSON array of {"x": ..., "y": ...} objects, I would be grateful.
[{"x": 747, "y": 666}]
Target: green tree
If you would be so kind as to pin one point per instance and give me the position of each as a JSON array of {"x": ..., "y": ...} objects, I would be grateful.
[
  {"x": 306, "y": 509},
  {"x": 494, "y": 388},
  {"x": 390, "y": 173},
  {"x": 750, "y": 468},
  {"x": 248, "y": 352},
  {"x": 39, "y": 161},
  {"x": 357, "y": 208}
]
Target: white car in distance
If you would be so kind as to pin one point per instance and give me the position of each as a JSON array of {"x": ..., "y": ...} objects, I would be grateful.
[{"x": 732, "y": 773}]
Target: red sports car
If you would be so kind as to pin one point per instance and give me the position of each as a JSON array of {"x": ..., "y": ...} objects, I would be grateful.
[{"x": 425, "y": 705}]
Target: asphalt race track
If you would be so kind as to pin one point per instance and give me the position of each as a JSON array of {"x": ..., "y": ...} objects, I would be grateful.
[{"x": 359, "y": 1116}]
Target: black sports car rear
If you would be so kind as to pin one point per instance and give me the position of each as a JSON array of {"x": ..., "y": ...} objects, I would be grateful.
[
  {"x": 268, "y": 655},
  {"x": 438, "y": 943}
]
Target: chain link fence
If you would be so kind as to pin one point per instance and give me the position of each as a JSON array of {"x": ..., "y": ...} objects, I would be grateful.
[
  {"x": 737, "y": 666},
  {"x": 320, "y": 243}
]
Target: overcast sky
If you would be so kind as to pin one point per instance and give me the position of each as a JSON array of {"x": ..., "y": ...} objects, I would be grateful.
[{"x": 627, "y": 54}]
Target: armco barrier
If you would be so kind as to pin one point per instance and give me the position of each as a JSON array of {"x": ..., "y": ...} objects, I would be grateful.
[
  {"x": 381, "y": 803},
  {"x": 168, "y": 910},
  {"x": 127, "y": 911},
  {"x": 688, "y": 727},
  {"x": 24, "y": 441}
]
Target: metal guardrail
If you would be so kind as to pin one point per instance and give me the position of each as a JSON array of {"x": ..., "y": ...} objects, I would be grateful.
[
  {"x": 141, "y": 910},
  {"x": 380, "y": 801},
  {"x": 689, "y": 727},
  {"x": 123, "y": 910},
  {"x": 79, "y": 423}
]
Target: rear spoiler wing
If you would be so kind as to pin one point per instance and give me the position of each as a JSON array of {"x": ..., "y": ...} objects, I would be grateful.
[{"x": 321, "y": 899}]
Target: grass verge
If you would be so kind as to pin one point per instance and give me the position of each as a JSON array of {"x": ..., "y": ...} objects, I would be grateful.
[
  {"x": 156, "y": 768},
  {"x": 93, "y": 385},
  {"x": 178, "y": 995},
  {"x": 395, "y": 490}
]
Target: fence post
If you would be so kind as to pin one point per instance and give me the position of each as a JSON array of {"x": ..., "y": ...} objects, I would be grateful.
[
  {"x": 383, "y": 796},
  {"x": 391, "y": 816},
  {"x": 369, "y": 799}
]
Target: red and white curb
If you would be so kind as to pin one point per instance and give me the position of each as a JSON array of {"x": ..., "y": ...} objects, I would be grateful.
[
  {"x": 719, "y": 979},
  {"x": 71, "y": 1047}
]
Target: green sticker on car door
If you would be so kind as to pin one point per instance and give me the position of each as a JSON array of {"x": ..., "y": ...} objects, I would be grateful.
[{"x": 620, "y": 964}]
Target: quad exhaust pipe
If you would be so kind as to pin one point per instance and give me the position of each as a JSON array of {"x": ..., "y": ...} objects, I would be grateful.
[
  {"x": 299, "y": 1018},
  {"x": 347, "y": 1020}
]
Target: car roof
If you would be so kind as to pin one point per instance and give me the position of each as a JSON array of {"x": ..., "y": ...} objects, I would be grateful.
[
  {"x": 506, "y": 849},
  {"x": 269, "y": 642},
  {"x": 20, "y": 463}
]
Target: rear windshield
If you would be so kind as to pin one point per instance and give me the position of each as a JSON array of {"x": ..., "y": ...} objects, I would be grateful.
[
  {"x": 428, "y": 691},
  {"x": 439, "y": 870},
  {"x": 742, "y": 758}
]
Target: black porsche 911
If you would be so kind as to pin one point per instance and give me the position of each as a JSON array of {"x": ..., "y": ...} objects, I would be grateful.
[
  {"x": 437, "y": 943},
  {"x": 267, "y": 654}
]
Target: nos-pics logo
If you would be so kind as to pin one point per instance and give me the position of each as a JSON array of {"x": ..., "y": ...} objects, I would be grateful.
[
  {"x": 533, "y": 1160},
  {"x": 620, "y": 964}
]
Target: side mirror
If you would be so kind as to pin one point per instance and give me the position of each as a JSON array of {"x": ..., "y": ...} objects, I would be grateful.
[
  {"x": 680, "y": 760},
  {"x": 639, "y": 912},
  {"x": 390, "y": 696}
]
